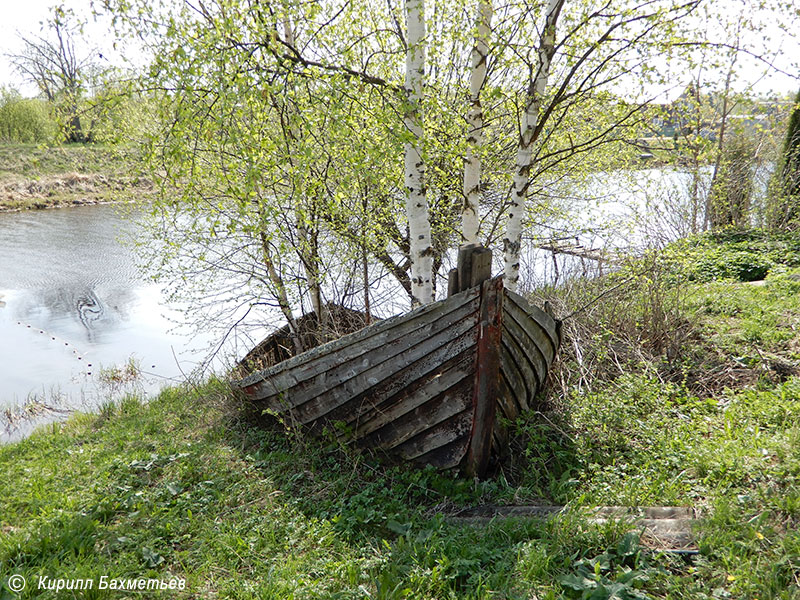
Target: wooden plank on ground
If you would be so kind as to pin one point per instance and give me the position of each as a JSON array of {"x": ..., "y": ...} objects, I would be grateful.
[{"x": 667, "y": 528}]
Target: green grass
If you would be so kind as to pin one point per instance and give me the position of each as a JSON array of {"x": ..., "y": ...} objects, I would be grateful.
[
  {"x": 32, "y": 160},
  {"x": 185, "y": 486},
  {"x": 39, "y": 176},
  {"x": 735, "y": 255}
]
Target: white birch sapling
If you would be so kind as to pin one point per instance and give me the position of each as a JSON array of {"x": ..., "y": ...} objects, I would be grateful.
[
  {"x": 528, "y": 128},
  {"x": 306, "y": 248},
  {"x": 470, "y": 216},
  {"x": 419, "y": 227}
]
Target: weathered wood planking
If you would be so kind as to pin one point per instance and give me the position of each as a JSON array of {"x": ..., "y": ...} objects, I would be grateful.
[
  {"x": 425, "y": 386},
  {"x": 487, "y": 375},
  {"x": 299, "y": 368},
  {"x": 545, "y": 322},
  {"x": 348, "y": 380}
]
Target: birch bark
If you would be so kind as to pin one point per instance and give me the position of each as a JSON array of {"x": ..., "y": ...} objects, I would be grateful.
[
  {"x": 419, "y": 227},
  {"x": 527, "y": 136},
  {"x": 280, "y": 291},
  {"x": 470, "y": 217}
]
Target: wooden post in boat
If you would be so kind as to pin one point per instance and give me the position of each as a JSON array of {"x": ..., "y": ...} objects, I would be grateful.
[
  {"x": 481, "y": 268},
  {"x": 487, "y": 373},
  {"x": 474, "y": 267},
  {"x": 452, "y": 282}
]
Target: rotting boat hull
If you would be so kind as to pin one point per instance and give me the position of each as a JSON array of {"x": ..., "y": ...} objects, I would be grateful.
[{"x": 425, "y": 386}]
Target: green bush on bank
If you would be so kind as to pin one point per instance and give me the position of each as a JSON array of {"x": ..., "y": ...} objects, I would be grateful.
[
  {"x": 738, "y": 255},
  {"x": 26, "y": 120}
]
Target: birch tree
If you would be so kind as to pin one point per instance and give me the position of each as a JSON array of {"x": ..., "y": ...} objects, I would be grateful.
[
  {"x": 470, "y": 215},
  {"x": 529, "y": 130},
  {"x": 419, "y": 227}
]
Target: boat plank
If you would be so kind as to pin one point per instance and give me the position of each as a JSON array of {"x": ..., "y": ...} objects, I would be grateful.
[
  {"x": 511, "y": 372},
  {"x": 319, "y": 401},
  {"x": 370, "y": 404},
  {"x": 447, "y": 456},
  {"x": 436, "y": 409},
  {"x": 531, "y": 335},
  {"x": 454, "y": 428},
  {"x": 523, "y": 308},
  {"x": 330, "y": 370},
  {"x": 529, "y": 374},
  {"x": 508, "y": 403},
  {"x": 433, "y": 383},
  {"x": 373, "y": 336},
  {"x": 535, "y": 365}
]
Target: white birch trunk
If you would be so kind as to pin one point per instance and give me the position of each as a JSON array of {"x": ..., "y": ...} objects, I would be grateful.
[
  {"x": 470, "y": 217},
  {"x": 419, "y": 227},
  {"x": 530, "y": 117}
]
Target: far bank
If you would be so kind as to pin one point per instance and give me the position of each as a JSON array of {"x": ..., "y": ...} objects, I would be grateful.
[{"x": 39, "y": 177}]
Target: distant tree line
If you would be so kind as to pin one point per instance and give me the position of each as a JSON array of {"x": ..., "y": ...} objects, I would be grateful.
[{"x": 80, "y": 99}]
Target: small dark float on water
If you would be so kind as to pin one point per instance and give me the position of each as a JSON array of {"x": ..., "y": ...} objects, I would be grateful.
[{"x": 427, "y": 386}]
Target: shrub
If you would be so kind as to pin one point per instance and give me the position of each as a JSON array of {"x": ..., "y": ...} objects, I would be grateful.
[
  {"x": 784, "y": 203},
  {"x": 25, "y": 120},
  {"x": 732, "y": 188},
  {"x": 741, "y": 256}
]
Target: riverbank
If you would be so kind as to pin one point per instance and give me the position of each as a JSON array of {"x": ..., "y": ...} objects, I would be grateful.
[
  {"x": 34, "y": 177},
  {"x": 694, "y": 401}
]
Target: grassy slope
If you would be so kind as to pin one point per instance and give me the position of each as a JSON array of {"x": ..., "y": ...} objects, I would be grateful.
[
  {"x": 44, "y": 177},
  {"x": 183, "y": 487}
]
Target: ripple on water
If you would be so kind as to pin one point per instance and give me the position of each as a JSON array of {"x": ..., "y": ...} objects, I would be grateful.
[
  {"x": 68, "y": 246},
  {"x": 73, "y": 298}
]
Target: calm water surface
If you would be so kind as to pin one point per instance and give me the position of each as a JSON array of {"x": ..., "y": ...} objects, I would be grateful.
[{"x": 72, "y": 305}]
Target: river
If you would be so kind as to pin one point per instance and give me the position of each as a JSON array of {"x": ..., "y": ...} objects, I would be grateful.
[{"x": 74, "y": 311}]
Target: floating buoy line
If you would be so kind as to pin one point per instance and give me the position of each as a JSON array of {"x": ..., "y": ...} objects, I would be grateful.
[{"x": 79, "y": 355}]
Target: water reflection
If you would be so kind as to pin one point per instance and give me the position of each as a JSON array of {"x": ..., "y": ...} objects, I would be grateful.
[
  {"x": 73, "y": 304},
  {"x": 85, "y": 314}
]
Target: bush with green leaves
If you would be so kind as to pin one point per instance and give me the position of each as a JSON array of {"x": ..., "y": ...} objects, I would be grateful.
[
  {"x": 784, "y": 203},
  {"x": 25, "y": 120},
  {"x": 739, "y": 255}
]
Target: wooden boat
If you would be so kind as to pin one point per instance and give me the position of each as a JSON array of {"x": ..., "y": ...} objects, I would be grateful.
[{"x": 426, "y": 386}]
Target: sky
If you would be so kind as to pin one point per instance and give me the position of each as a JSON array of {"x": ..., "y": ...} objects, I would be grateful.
[{"x": 26, "y": 16}]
